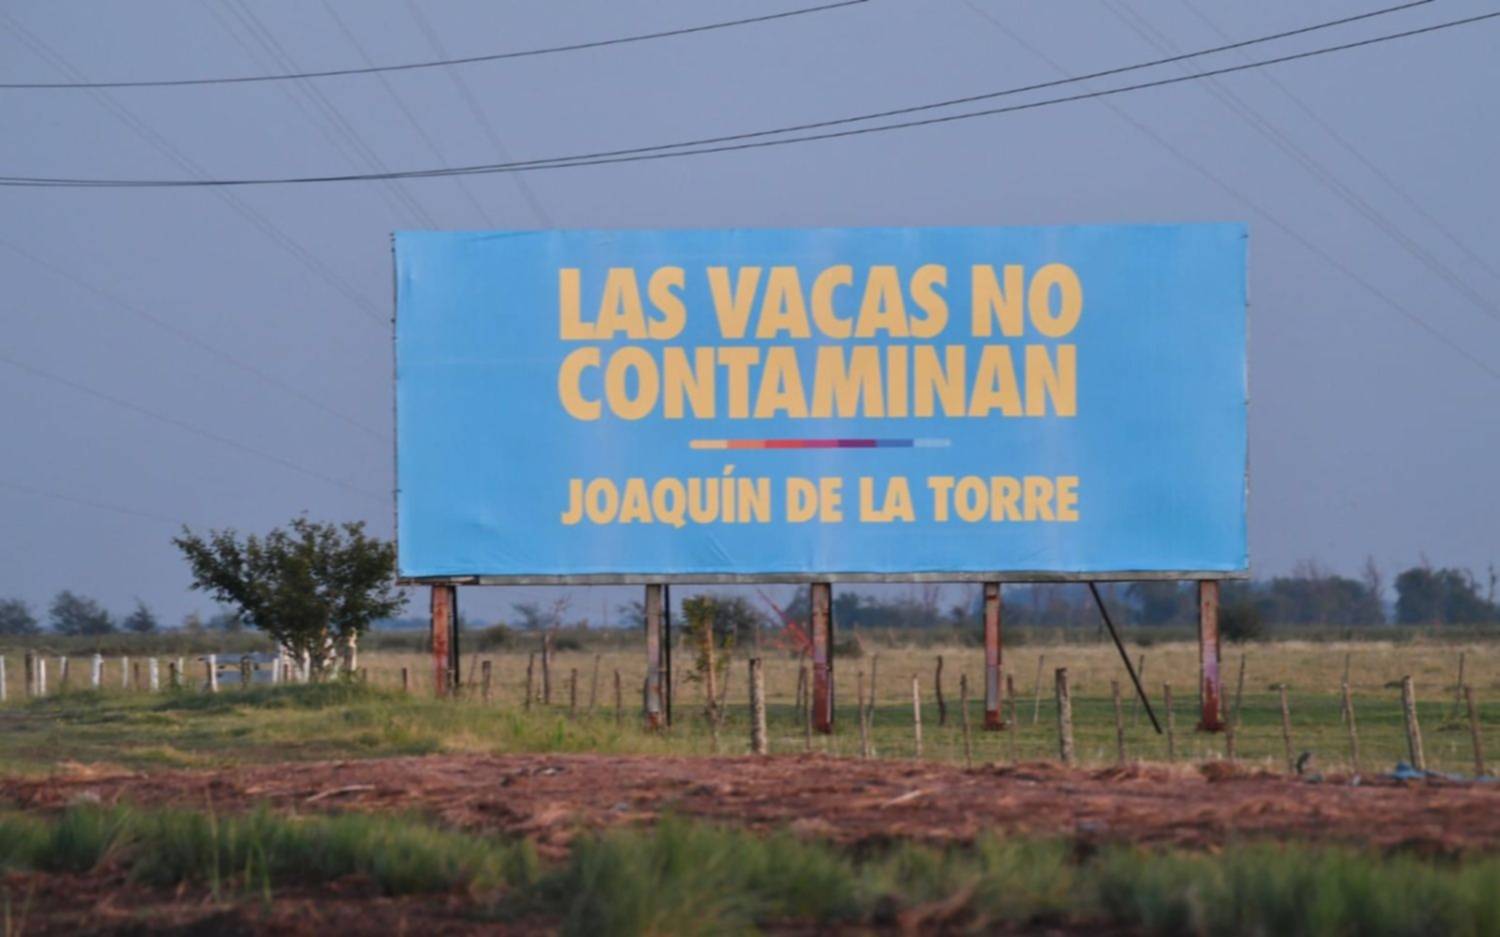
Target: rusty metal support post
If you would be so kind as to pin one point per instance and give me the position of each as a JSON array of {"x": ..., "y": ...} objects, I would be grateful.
[
  {"x": 1210, "y": 686},
  {"x": 667, "y": 681},
  {"x": 822, "y": 646},
  {"x": 445, "y": 639},
  {"x": 994, "y": 720},
  {"x": 653, "y": 607}
]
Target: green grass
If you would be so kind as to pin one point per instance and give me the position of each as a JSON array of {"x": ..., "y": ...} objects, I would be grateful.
[
  {"x": 691, "y": 878},
  {"x": 141, "y": 731}
]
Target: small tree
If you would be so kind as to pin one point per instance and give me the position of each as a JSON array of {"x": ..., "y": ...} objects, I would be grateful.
[
  {"x": 75, "y": 615},
  {"x": 142, "y": 620},
  {"x": 16, "y": 618},
  {"x": 312, "y": 587}
]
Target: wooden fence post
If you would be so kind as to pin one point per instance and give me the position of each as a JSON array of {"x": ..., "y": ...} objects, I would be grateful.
[
  {"x": 1114, "y": 689},
  {"x": 1473, "y": 731},
  {"x": 619, "y": 699},
  {"x": 530, "y": 680},
  {"x": 1014, "y": 725},
  {"x": 759, "y": 744},
  {"x": 916, "y": 713},
  {"x": 1458, "y": 690},
  {"x": 1166, "y": 695},
  {"x": 405, "y": 680},
  {"x": 486, "y": 681},
  {"x": 1413, "y": 730},
  {"x": 807, "y": 724},
  {"x": 1036, "y": 709},
  {"x": 62, "y": 672},
  {"x": 937, "y": 689},
  {"x": 29, "y": 667},
  {"x": 594, "y": 685},
  {"x": 800, "y": 700},
  {"x": 1064, "y": 717},
  {"x": 174, "y": 678},
  {"x": 124, "y": 673},
  {"x": 4, "y": 690},
  {"x": 246, "y": 671},
  {"x": 1348, "y": 712},
  {"x": 546, "y": 669},
  {"x": 963, "y": 716},
  {"x": 1286, "y": 729},
  {"x": 864, "y": 721}
]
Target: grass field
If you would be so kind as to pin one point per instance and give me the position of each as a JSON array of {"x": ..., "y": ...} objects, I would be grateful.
[
  {"x": 295, "y": 864},
  {"x": 691, "y": 878},
  {"x": 140, "y": 730}
]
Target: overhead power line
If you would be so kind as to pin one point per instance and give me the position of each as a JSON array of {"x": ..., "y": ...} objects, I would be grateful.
[
  {"x": 361, "y": 304},
  {"x": 1330, "y": 179},
  {"x": 192, "y": 339},
  {"x": 442, "y": 63},
  {"x": 121, "y": 402},
  {"x": 692, "y": 148},
  {"x": 1311, "y": 245},
  {"x": 85, "y": 502}
]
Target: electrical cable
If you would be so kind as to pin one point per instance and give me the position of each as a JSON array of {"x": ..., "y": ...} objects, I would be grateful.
[
  {"x": 181, "y": 424},
  {"x": 1271, "y": 218},
  {"x": 59, "y": 496},
  {"x": 367, "y": 309},
  {"x": 192, "y": 339},
  {"x": 414, "y": 66},
  {"x": 1324, "y": 176},
  {"x": 668, "y": 151}
]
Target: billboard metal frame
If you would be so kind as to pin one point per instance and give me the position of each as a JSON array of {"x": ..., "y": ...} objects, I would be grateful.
[{"x": 657, "y": 695}]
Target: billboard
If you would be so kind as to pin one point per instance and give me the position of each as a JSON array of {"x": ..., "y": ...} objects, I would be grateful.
[{"x": 865, "y": 403}]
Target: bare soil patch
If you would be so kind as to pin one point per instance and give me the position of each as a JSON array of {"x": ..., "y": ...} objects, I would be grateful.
[{"x": 551, "y": 798}]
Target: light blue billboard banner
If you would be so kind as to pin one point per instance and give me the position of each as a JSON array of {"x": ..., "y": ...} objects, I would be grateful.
[{"x": 841, "y": 403}]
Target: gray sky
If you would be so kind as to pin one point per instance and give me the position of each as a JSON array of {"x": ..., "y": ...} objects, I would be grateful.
[{"x": 1368, "y": 434}]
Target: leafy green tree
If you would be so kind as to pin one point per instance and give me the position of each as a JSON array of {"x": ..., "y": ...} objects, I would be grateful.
[
  {"x": 701, "y": 616},
  {"x": 76, "y": 615},
  {"x": 1440, "y": 596},
  {"x": 530, "y": 616},
  {"x": 16, "y": 618},
  {"x": 227, "y": 622},
  {"x": 142, "y": 620},
  {"x": 313, "y": 587},
  {"x": 1160, "y": 602}
]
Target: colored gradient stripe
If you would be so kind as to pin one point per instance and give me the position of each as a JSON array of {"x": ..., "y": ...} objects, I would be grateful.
[{"x": 818, "y": 444}]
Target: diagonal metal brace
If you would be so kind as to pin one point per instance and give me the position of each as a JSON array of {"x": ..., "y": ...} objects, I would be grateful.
[{"x": 1140, "y": 691}]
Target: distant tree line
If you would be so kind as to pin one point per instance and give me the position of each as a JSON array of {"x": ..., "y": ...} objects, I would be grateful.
[
  {"x": 1309, "y": 595},
  {"x": 77, "y": 615}
]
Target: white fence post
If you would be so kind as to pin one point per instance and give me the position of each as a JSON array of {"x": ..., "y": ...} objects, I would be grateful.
[
  {"x": 124, "y": 673},
  {"x": 97, "y": 675},
  {"x": 154, "y": 669},
  {"x": 41, "y": 676},
  {"x": 2, "y": 679},
  {"x": 213, "y": 673}
]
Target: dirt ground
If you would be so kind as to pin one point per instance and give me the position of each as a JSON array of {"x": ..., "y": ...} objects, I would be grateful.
[{"x": 550, "y": 798}]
